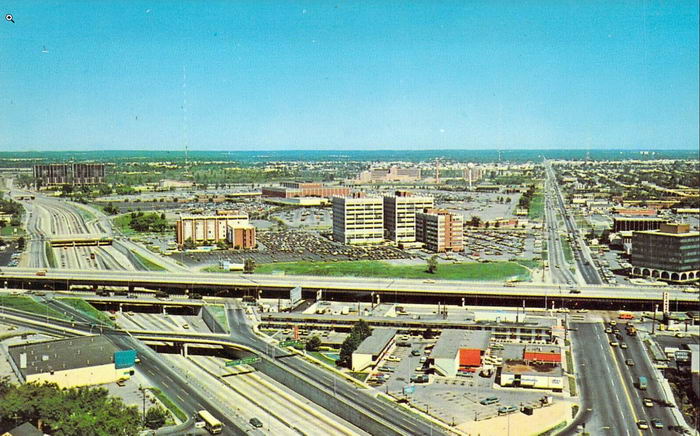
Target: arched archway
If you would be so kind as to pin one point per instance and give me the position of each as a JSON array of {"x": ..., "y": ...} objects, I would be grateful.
[
  {"x": 674, "y": 277},
  {"x": 684, "y": 277},
  {"x": 665, "y": 275},
  {"x": 655, "y": 273}
]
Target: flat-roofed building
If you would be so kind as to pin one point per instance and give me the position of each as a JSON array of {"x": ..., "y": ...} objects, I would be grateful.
[
  {"x": 51, "y": 175},
  {"x": 81, "y": 361},
  {"x": 625, "y": 224},
  {"x": 670, "y": 253},
  {"x": 208, "y": 228},
  {"x": 391, "y": 174},
  {"x": 440, "y": 230},
  {"x": 373, "y": 348},
  {"x": 240, "y": 235},
  {"x": 307, "y": 189},
  {"x": 358, "y": 220},
  {"x": 542, "y": 353},
  {"x": 457, "y": 349},
  {"x": 400, "y": 215}
]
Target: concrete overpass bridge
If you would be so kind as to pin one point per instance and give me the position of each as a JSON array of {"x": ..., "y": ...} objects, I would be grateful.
[{"x": 604, "y": 297}]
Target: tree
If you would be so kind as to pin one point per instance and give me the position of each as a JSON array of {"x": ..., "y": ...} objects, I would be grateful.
[
  {"x": 428, "y": 334},
  {"x": 189, "y": 244},
  {"x": 360, "y": 331},
  {"x": 155, "y": 417},
  {"x": 20, "y": 243},
  {"x": 313, "y": 344},
  {"x": 249, "y": 266},
  {"x": 432, "y": 264},
  {"x": 475, "y": 221}
]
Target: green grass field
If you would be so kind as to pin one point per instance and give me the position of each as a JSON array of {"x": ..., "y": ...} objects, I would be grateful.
[
  {"x": 368, "y": 268},
  {"x": 122, "y": 222},
  {"x": 10, "y": 231},
  {"x": 536, "y": 209},
  {"x": 169, "y": 404},
  {"x": 219, "y": 312},
  {"x": 568, "y": 253},
  {"x": 28, "y": 304},
  {"x": 88, "y": 309},
  {"x": 152, "y": 266}
]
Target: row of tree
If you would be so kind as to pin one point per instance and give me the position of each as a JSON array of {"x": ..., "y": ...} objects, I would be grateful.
[
  {"x": 360, "y": 331},
  {"x": 74, "y": 411},
  {"x": 148, "y": 222}
]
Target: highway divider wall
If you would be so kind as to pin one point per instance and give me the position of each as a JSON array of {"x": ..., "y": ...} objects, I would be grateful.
[
  {"x": 334, "y": 404},
  {"x": 211, "y": 321}
]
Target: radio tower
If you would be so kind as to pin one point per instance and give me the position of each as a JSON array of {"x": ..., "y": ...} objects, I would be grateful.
[{"x": 437, "y": 171}]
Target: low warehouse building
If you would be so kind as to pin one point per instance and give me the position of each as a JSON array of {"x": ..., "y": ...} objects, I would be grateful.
[
  {"x": 532, "y": 366},
  {"x": 457, "y": 349},
  {"x": 82, "y": 361},
  {"x": 373, "y": 348}
]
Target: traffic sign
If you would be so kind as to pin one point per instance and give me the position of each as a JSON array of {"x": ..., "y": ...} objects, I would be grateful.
[
  {"x": 245, "y": 361},
  {"x": 409, "y": 389},
  {"x": 288, "y": 343}
]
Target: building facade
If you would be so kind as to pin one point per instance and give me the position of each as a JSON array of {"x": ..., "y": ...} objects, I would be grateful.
[
  {"x": 391, "y": 174},
  {"x": 625, "y": 224},
  {"x": 400, "y": 215},
  {"x": 51, "y": 175},
  {"x": 241, "y": 235},
  {"x": 208, "y": 228},
  {"x": 358, "y": 220},
  {"x": 457, "y": 349},
  {"x": 296, "y": 189},
  {"x": 670, "y": 253},
  {"x": 440, "y": 230}
]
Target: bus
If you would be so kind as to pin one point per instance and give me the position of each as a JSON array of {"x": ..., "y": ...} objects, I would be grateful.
[{"x": 213, "y": 425}]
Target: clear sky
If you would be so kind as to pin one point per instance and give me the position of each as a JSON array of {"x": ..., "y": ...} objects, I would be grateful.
[{"x": 248, "y": 75}]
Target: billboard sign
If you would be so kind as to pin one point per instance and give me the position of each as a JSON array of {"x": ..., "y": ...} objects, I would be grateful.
[
  {"x": 124, "y": 359},
  {"x": 295, "y": 295}
]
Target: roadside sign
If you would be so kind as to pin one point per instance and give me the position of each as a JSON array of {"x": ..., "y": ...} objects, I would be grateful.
[
  {"x": 245, "y": 361},
  {"x": 288, "y": 343}
]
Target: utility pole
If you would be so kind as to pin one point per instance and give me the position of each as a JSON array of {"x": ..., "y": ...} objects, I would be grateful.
[{"x": 653, "y": 321}]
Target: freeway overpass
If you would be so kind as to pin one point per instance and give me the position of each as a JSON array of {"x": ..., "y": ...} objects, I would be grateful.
[{"x": 357, "y": 289}]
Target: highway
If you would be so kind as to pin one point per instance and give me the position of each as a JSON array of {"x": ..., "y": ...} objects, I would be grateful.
[
  {"x": 362, "y": 401},
  {"x": 389, "y": 288},
  {"x": 582, "y": 255}
]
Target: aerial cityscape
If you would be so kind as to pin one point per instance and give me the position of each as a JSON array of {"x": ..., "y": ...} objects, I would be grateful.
[{"x": 362, "y": 218}]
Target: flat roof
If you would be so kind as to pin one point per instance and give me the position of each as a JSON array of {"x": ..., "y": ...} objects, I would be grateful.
[
  {"x": 451, "y": 340},
  {"x": 677, "y": 235},
  {"x": 376, "y": 342},
  {"x": 537, "y": 348},
  {"x": 63, "y": 354}
]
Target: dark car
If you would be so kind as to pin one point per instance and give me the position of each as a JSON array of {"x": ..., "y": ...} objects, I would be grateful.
[
  {"x": 255, "y": 422},
  {"x": 656, "y": 423}
]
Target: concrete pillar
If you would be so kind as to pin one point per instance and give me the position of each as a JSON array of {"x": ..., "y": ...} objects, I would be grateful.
[
  {"x": 120, "y": 308},
  {"x": 185, "y": 350}
]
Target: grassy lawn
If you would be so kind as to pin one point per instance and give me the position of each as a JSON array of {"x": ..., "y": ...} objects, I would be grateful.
[
  {"x": 568, "y": 253},
  {"x": 536, "y": 209},
  {"x": 50, "y": 255},
  {"x": 86, "y": 214},
  {"x": 149, "y": 264},
  {"x": 122, "y": 223},
  {"x": 28, "y": 304},
  {"x": 368, "y": 268},
  {"x": 219, "y": 313},
  {"x": 322, "y": 358},
  {"x": 88, "y": 309},
  {"x": 169, "y": 404},
  {"x": 10, "y": 230},
  {"x": 360, "y": 376}
]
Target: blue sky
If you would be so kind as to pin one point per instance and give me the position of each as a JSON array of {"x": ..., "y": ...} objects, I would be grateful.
[{"x": 248, "y": 75}]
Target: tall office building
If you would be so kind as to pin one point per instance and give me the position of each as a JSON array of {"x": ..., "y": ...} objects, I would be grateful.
[
  {"x": 69, "y": 174},
  {"x": 440, "y": 230},
  {"x": 670, "y": 253},
  {"x": 358, "y": 220},
  {"x": 400, "y": 215}
]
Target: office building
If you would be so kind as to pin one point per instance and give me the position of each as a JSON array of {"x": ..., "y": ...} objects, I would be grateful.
[
  {"x": 51, "y": 175},
  {"x": 81, "y": 361},
  {"x": 391, "y": 174},
  {"x": 208, "y": 228},
  {"x": 626, "y": 224},
  {"x": 240, "y": 235},
  {"x": 670, "y": 253},
  {"x": 440, "y": 230},
  {"x": 532, "y": 366},
  {"x": 296, "y": 189},
  {"x": 358, "y": 220},
  {"x": 400, "y": 215}
]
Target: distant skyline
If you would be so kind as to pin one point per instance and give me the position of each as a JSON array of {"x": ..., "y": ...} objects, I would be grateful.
[{"x": 346, "y": 75}]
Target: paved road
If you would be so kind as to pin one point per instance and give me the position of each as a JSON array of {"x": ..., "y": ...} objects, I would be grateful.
[
  {"x": 606, "y": 406},
  {"x": 380, "y": 410}
]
